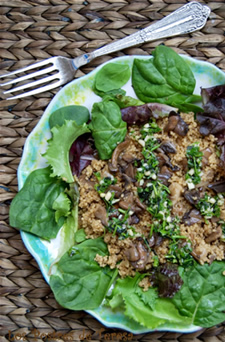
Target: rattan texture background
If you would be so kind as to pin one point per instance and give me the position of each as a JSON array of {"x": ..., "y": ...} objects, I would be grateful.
[{"x": 32, "y": 30}]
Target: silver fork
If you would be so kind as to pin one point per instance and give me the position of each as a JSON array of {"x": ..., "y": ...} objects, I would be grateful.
[{"x": 186, "y": 19}]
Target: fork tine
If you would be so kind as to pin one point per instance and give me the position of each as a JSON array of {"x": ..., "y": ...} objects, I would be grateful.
[
  {"x": 33, "y": 84},
  {"x": 36, "y": 91},
  {"x": 31, "y": 75},
  {"x": 29, "y": 67}
]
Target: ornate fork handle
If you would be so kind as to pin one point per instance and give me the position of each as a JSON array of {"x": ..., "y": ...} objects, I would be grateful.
[{"x": 188, "y": 18}]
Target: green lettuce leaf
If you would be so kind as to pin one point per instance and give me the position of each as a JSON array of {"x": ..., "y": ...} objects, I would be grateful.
[
  {"x": 62, "y": 206},
  {"x": 202, "y": 296},
  {"x": 32, "y": 208},
  {"x": 70, "y": 226},
  {"x": 77, "y": 280},
  {"x": 139, "y": 304},
  {"x": 107, "y": 127},
  {"x": 57, "y": 153}
]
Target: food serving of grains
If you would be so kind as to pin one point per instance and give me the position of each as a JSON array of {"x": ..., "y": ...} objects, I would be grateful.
[
  {"x": 143, "y": 204},
  {"x": 130, "y": 198}
]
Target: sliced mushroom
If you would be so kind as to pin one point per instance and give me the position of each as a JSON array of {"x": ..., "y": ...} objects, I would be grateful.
[
  {"x": 138, "y": 255},
  {"x": 199, "y": 256},
  {"x": 181, "y": 128},
  {"x": 133, "y": 219},
  {"x": 132, "y": 254},
  {"x": 192, "y": 196},
  {"x": 127, "y": 201},
  {"x": 176, "y": 124},
  {"x": 130, "y": 171},
  {"x": 218, "y": 187},
  {"x": 101, "y": 214},
  {"x": 214, "y": 236},
  {"x": 164, "y": 159},
  {"x": 172, "y": 122},
  {"x": 118, "y": 150},
  {"x": 128, "y": 157},
  {"x": 128, "y": 180},
  {"x": 206, "y": 154},
  {"x": 116, "y": 189},
  {"x": 164, "y": 175},
  {"x": 155, "y": 240},
  {"x": 191, "y": 217},
  {"x": 88, "y": 183},
  {"x": 184, "y": 164},
  {"x": 168, "y": 146},
  {"x": 139, "y": 203}
]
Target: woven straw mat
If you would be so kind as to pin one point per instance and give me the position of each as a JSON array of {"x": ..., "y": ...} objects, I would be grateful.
[{"x": 33, "y": 30}]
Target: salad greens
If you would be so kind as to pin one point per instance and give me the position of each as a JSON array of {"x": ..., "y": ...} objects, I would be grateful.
[
  {"x": 79, "y": 114},
  {"x": 107, "y": 127},
  {"x": 35, "y": 208},
  {"x": 112, "y": 76},
  {"x": 144, "y": 307},
  {"x": 77, "y": 280},
  {"x": 49, "y": 200},
  {"x": 57, "y": 153},
  {"x": 165, "y": 78},
  {"x": 202, "y": 296}
]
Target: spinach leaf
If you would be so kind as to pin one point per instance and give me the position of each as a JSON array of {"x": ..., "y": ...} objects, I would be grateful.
[
  {"x": 79, "y": 114},
  {"x": 202, "y": 296},
  {"x": 77, "y": 280},
  {"x": 32, "y": 208},
  {"x": 144, "y": 307},
  {"x": 119, "y": 97},
  {"x": 124, "y": 101},
  {"x": 165, "y": 78},
  {"x": 112, "y": 76},
  {"x": 57, "y": 153},
  {"x": 107, "y": 127},
  {"x": 109, "y": 95}
]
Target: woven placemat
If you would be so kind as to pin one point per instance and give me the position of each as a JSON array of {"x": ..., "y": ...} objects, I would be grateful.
[{"x": 33, "y": 30}]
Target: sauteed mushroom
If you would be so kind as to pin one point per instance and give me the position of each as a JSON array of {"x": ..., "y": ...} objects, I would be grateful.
[
  {"x": 137, "y": 254},
  {"x": 118, "y": 150},
  {"x": 191, "y": 217},
  {"x": 176, "y": 124},
  {"x": 214, "y": 235},
  {"x": 101, "y": 214}
]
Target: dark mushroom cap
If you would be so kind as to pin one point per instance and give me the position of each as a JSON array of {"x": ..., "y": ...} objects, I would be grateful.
[
  {"x": 191, "y": 217},
  {"x": 176, "y": 124}
]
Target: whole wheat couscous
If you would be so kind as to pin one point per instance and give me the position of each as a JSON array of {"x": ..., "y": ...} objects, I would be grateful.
[{"x": 117, "y": 199}]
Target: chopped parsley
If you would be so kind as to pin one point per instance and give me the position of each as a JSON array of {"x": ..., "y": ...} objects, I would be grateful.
[
  {"x": 104, "y": 183},
  {"x": 194, "y": 161},
  {"x": 156, "y": 197},
  {"x": 119, "y": 225},
  {"x": 149, "y": 165},
  {"x": 102, "y": 188},
  {"x": 210, "y": 206}
]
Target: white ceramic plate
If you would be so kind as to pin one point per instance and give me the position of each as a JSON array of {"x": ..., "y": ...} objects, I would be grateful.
[{"x": 80, "y": 92}]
